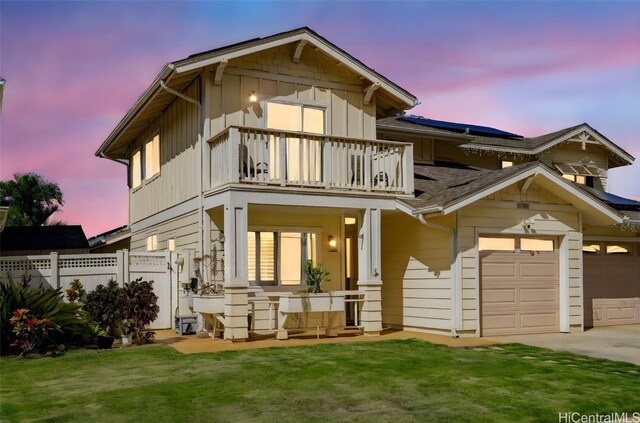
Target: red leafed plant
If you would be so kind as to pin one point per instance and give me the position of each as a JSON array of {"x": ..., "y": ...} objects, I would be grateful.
[{"x": 30, "y": 332}]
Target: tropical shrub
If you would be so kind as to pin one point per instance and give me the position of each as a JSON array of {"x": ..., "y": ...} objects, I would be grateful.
[
  {"x": 29, "y": 332},
  {"x": 142, "y": 309},
  {"x": 315, "y": 277},
  {"x": 67, "y": 325},
  {"x": 106, "y": 306},
  {"x": 76, "y": 292}
]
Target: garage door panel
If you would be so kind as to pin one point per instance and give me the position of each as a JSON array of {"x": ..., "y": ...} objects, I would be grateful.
[
  {"x": 500, "y": 323},
  {"x": 497, "y": 270},
  {"x": 539, "y": 269},
  {"x": 539, "y": 295},
  {"x": 500, "y": 296},
  {"x": 547, "y": 322},
  {"x": 621, "y": 313},
  {"x": 519, "y": 293}
]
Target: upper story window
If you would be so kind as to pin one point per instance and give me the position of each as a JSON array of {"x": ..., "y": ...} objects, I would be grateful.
[
  {"x": 136, "y": 169},
  {"x": 505, "y": 163},
  {"x": 149, "y": 154},
  {"x": 579, "y": 173},
  {"x": 152, "y": 157},
  {"x": 296, "y": 117}
]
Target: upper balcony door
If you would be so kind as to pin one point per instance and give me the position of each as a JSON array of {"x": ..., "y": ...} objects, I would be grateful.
[{"x": 303, "y": 156}]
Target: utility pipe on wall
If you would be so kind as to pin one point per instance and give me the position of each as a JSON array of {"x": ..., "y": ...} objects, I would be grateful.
[{"x": 454, "y": 271}]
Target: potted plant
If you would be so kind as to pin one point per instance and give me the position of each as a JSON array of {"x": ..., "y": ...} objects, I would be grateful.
[
  {"x": 105, "y": 306},
  {"x": 314, "y": 299}
]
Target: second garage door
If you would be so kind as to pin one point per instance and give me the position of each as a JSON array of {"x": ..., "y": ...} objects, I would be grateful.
[
  {"x": 519, "y": 286},
  {"x": 611, "y": 283}
]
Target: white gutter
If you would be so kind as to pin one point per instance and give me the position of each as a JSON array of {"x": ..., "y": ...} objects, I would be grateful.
[
  {"x": 200, "y": 142},
  {"x": 456, "y": 285}
]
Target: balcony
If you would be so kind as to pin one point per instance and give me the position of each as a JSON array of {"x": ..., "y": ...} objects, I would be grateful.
[{"x": 297, "y": 159}]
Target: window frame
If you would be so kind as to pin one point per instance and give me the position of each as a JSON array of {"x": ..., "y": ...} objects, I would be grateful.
[
  {"x": 277, "y": 283},
  {"x": 143, "y": 149},
  {"x": 314, "y": 104},
  {"x": 132, "y": 169},
  {"x": 152, "y": 239}
]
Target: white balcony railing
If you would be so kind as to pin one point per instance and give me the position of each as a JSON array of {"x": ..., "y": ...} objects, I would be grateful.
[{"x": 283, "y": 158}]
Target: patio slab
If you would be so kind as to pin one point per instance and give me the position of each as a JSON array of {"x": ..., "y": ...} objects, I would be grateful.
[{"x": 196, "y": 343}]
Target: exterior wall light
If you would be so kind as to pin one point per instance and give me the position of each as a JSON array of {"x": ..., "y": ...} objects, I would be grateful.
[
  {"x": 253, "y": 97},
  {"x": 333, "y": 244}
]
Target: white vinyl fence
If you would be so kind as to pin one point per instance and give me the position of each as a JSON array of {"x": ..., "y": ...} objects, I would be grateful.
[{"x": 57, "y": 271}]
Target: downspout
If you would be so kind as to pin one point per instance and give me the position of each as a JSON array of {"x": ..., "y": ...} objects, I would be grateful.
[
  {"x": 200, "y": 142},
  {"x": 454, "y": 270}
]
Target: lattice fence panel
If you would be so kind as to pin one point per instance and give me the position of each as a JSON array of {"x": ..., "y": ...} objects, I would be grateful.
[{"x": 87, "y": 262}]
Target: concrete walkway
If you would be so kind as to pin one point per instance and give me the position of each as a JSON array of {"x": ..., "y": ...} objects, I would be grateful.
[
  {"x": 618, "y": 343},
  {"x": 199, "y": 343}
]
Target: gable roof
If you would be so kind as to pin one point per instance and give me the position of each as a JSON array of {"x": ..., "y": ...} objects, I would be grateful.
[
  {"x": 492, "y": 139},
  {"x": 445, "y": 189},
  {"x": 24, "y": 238},
  {"x": 179, "y": 74}
]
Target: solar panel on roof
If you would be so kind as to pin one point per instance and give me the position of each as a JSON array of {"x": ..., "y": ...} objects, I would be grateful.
[{"x": 460, "y": 127}]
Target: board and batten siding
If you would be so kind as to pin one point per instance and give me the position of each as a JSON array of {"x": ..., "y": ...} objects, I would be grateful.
[
  {"x": 183, "y": 228},
  {"x": 476, "y": 220},
  {"x": 178, "y": 177},
  {"x": 416, "y": 273},
  {"x": 272, "y": 75},
  {"x": 572, "y": 152}
]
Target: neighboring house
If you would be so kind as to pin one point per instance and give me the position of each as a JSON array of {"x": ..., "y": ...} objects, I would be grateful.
[
  {"x": 37, "y": 240},
  {"x": 285, "y": 149},
  {"x": 111, "y": 241}
]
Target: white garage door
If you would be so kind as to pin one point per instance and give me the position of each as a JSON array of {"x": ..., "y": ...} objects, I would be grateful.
[
  {"x": 611, "y": 283},
  {"x": 519, "y": 285}
]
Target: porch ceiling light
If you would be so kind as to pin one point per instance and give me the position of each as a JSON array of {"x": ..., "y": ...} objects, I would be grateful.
[
  {"x": 253, "y": 97},
  {"x": 349, "y": 220},
  {"x": 333, "y": 244}
]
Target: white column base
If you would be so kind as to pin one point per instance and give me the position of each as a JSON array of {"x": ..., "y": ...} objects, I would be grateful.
[
  {"x": 371, "y": 313},
  {"x": 236, "y": 310}
]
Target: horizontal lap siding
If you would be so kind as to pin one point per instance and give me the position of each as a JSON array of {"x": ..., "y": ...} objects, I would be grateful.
[
  {"x": 495, "y": 220},
  {"x": 416, "y": 274},
  {"x": 183, "y": 228}
]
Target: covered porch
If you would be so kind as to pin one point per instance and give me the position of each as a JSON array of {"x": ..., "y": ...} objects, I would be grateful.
[{"x": 253, "y": 282}]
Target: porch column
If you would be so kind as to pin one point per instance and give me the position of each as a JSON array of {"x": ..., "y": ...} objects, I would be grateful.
[
  {"x": 369, "y": 271},
  {"x": 236, "y": 281}
]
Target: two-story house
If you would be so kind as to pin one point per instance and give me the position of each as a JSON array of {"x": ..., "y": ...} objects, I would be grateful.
[{"x": 285, "y": 149}]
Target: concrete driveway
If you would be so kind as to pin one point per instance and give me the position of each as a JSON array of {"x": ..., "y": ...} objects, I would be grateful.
[{"x": 619, "y": 343}]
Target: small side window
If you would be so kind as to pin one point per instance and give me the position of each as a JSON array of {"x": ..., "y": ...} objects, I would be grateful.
[
  {"x": 497, "y": 244},
  {"x": 535, "y": 244},
  {"x": 619, "y": 249},
  {"x": 506, "y": 163},
  {"x": 591, "y": 248},
  {"x": 136, "y": 170},
  {"x": 152, "y": 242}
]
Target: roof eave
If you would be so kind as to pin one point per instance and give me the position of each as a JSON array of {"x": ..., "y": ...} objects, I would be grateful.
[
  {"x": 305, "y": 34},
  {"x": 527, "y": 171},
  {"x": 166, "y": 73}
]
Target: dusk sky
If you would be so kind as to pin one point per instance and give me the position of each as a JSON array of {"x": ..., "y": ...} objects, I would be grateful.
[{"x": 73, "y": 69}]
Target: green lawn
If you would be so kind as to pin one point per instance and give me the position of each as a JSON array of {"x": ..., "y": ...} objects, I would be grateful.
[{"x": 383, "y": 381}]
